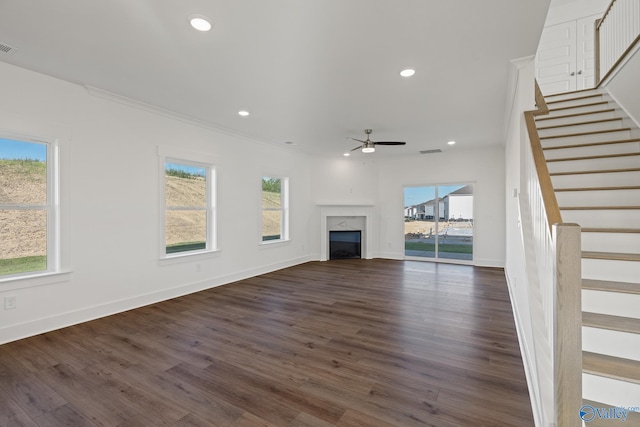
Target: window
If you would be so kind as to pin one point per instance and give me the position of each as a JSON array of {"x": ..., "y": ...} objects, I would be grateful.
[
  {"x": 189, "y": 215},
  {"x": 28, "y": 207},
  {"x": 275, "y": 209},
  {"x": 438, "y": 222}
]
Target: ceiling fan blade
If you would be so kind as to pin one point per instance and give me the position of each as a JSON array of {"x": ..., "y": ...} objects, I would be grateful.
[
  {"x": 357, "y": 148},
  {"x": 359, "y": 140},
  {"x": 390, "y": 143}
]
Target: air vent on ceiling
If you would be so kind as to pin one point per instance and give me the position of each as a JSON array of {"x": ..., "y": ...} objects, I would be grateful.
[
  {"x": 437, "y": 150},
  {"x": 6, "y": 49}
]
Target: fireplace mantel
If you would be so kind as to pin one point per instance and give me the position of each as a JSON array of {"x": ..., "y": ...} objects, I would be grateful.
[{"x": 346, "y": 211}]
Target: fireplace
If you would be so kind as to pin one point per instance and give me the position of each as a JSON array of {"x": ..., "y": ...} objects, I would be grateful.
[
  {"x": 351, "y": 218},
  {"x": 345, "y": 244}
]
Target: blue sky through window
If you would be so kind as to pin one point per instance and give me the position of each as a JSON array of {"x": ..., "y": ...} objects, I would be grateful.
[
  {"x": 11, "y": 149},
  {"x": 191, "y": 170},
  {"x": 416, "y": 195}
]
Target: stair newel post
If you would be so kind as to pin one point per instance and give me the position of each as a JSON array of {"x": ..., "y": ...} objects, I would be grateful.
[{"x": 567, "y": 324}]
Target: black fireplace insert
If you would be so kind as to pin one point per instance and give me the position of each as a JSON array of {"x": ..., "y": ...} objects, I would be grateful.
[{"x": 345, "y": 244}]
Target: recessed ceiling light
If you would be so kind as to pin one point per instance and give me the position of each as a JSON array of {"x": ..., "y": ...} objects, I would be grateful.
[
  {"x": 290, "y": 143},
  {"x": 451, "y": 142},
  {"x": 407, "y": 72},
  {"x": 200, "y": 22},
  {"x": 243, "y": 113},
  {"x": 346, "y": 154}
]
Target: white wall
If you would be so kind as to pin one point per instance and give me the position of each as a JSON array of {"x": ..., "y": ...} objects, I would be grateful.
[
  {"x": 380, "y": 181},
  {"x": 110, "y": 205},
  {"x": 515, "y": 261},
  {"x": 624, "y": 87},
  {"x": 563, "y": 11}
]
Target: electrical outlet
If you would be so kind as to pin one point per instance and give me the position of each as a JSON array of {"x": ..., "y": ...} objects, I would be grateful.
[{"x": 10, "y": 302}]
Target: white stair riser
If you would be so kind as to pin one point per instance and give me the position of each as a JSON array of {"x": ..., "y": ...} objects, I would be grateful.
[
  {"x": 554, "y": 112},
  {"x": 574, "y": 102},
  {"x": 608, "y": 197},
  {"x": 574, "y": 119},
  {"x": 617, "y": 271},
  {"x": 611, "y": 242},
  {"x": 595, "y": 179},
  {"x": 611, "y": 392},
  {"x": 612, "y": 343},
  {"x": 611, "y": 303},
  {"x": 580, "y": 128},
  {"x": 592, "y": 150},
  {"x": 581, "y": 139},
  {"x": 604, "y": 163},
  {"x": 609, "y": 218}
]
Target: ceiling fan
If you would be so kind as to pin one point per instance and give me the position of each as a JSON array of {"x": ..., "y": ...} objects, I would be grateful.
[{"x": 369, "y": 146}]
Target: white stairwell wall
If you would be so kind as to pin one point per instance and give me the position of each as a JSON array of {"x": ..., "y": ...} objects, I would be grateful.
[{"x": 619, "y": 344}]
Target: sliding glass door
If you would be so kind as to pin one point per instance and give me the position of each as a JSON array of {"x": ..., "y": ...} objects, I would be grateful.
[{"x": 438, "y": 222}]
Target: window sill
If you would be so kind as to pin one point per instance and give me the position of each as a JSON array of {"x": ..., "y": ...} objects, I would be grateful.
[
  {"x": 34, "y": 280},
  {"x": 188, "y": 257},
  {"x": 268, "y": 243}
]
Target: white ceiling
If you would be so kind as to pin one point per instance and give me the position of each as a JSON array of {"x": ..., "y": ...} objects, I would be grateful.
[{"x": 310, "y": 71}]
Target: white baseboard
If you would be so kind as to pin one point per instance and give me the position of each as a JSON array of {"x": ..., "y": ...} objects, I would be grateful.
[{"x": 62, "y": 320}]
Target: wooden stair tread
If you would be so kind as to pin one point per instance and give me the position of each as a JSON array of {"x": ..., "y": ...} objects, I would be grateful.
[
  {"x": 592, "y": 144},
  {"x": 570, "y": 92},
  {"x": 633, "y": 418},
  {"x": 616, "y": 256},
  {"x": 613, "y": 323},
  {"x": 600, "y": 156},
  {"x": 566, "y": 116},
  {"x": 591, "y": 104},
  {"x": 595, "y": 171},
  {"x": 585, "y": 133},
  {"x": 612, "y": 188},
  {"x": 577, "y": 98},
  {"x": 609, "y": 230},
  {"x": 610, "y": 286},
  {"x": 598, "y": 208},
  {"x": 615, "y": 119},
  {"x": 611, "y": 367}
]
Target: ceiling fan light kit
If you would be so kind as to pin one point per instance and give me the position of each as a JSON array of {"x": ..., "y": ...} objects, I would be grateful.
[{"x": 369, "y": 146}]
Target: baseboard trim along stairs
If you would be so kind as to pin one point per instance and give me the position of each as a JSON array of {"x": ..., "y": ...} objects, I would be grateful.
[{"x": 592, "y": 150}]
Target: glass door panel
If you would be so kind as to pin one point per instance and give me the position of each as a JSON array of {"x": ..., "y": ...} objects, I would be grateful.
[{"x": 438, "y": 221}]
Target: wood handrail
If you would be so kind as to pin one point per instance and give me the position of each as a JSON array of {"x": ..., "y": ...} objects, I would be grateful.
[
  {"x": 546, "y": 187},
  {"x": 604, "y": 15}
]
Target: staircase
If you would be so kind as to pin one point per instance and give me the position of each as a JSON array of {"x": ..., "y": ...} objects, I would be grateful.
[{"x": 592, "y": 151}]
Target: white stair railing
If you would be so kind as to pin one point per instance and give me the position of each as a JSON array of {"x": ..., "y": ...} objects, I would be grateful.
[
  {"x": 555, "y": 285},
  {"x": 617, "y": 32}
]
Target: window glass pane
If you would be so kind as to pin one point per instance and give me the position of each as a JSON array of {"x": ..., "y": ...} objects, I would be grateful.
[
  {"x": 271, "y": 225},
  {"x": 186, "y": 230},
  {"x": 271, "y": 193},
  {"x": 456, "y": 228},
  {"x": 23, "y": 172},
  {"x": 185, "y": 185},
  {"x": 23, "y": 234},
  {"x": 419, "y": 221}
]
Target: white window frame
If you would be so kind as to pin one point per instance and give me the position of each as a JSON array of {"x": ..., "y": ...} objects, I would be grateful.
[
  {"x": 204, "y": 161},
  {"x": 284, "y": 209},
  {"x": 51, "y": 206}
]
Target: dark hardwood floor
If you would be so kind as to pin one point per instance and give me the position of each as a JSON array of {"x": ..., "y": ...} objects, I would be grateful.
[{"x": 344, "y": 343}]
